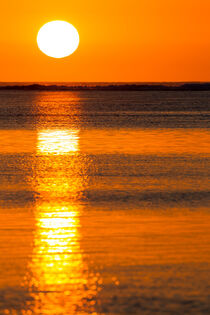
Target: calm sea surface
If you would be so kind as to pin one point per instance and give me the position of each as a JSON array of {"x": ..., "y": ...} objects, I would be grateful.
[{"x": 104, "y": 202}]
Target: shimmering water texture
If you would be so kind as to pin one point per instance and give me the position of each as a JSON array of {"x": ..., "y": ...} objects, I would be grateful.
[{"x": 104, "y": 202}]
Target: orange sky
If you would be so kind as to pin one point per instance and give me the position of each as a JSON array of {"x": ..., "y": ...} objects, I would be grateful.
[{"x": 136, "y": 40}]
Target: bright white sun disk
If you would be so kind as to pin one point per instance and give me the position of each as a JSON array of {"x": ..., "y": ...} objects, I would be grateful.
[{"x": 58, "y": 39}]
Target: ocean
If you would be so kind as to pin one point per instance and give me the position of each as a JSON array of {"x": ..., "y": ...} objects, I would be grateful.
[{"x": 104, "y": 202}]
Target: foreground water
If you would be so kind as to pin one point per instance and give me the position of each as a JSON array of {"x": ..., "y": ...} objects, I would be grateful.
[{"x": 104, "y": 202}]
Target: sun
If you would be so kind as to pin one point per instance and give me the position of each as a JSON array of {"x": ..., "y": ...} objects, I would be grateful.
[{"x": 58, "y": 39}]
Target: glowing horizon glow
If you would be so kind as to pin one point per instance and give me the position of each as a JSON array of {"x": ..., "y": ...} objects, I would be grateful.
[{"x": 58, "y": 39}]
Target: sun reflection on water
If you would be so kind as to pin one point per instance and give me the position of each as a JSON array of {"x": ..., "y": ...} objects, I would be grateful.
[
  {"x": 57, "y": 141},
  {"x": 59, "y": 274},
  {"x": 58, "y": 278}
]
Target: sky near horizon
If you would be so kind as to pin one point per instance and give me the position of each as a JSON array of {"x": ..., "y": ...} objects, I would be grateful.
[{"x": 136, "y": 40}]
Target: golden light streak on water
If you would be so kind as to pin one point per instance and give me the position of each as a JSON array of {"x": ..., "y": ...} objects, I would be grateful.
[
  {"x": 57, "y": 141},
  {"x": 58, "y": 276}
]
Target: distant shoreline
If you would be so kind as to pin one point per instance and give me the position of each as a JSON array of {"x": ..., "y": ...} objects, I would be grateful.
[{"x": 111, "y": 87}]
